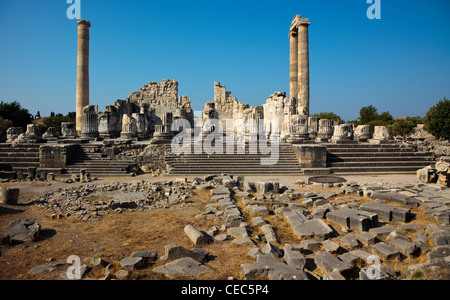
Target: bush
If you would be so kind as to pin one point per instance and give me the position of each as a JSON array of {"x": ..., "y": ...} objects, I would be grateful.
[
  {"x": 329, "y": 116},
  {"x": 4, "y": 125},
  {"x": 437, "y": 119},
  {"x": 402, "y": 127}
]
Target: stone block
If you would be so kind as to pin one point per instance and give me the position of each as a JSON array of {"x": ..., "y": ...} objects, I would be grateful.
[
  {"x": 9, "y": 196},
  {"x": 395, "y": 198},
  {"x": 311, "y": 156},
  {"x": 329, "y": 263},
  {"x": 387, "y": 212},
  {"x": 294, "y": 258},
  {"x": 353, "y": 219},
  {"x": 132, "y": 263},
  {"x": 384, "y": 251},
  {"x": 20, "y": 231},
  {"x": 404, "y": 247},
  {"x": 312, "y": 229},
  {"x": 349, "y": 241},
  {"x": 366, "y": 238},
  {"x": 311, "y": 245},
  {"x": 184, "y": 267}
]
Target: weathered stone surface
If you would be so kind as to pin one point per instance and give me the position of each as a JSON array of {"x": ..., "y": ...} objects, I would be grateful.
[
  {"x": 353, "y": 219},
  {"x": 311, "y": 245},
  {"x": 9, "y": 196},
  {"x": 20, "y": 231},
  {"x": 395, "y": 198},
  {"x": 384, "y": 251},
  {"x": 132, "y": 263},
  {"x": 172, "y": 252},
  {"x": 149, "y": 255},
  {"x": 329, "y": 263},
  {"x": 269, "y": 234},
  {"x": 405, "y": 247},
  {"x": 349, "y": 241},
  {"x": 186, "y": 266},
  {"x": 258, "y": 210},
  {"x": 268, "y": 266},
  {"x": 387, "y": 212},
  {"x": 294, "y": 258},
  {"x": 238, "y": 232},
  {"x": 312, "y": 229},
  {"x": 366, "y": 238},
  {"x": 46, "y": 268}
]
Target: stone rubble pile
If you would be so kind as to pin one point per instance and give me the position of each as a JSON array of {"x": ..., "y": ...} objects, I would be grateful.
[{"x": 90, "y": 202}]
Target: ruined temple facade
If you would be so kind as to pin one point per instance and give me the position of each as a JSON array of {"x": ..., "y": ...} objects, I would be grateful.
[{"x": 149, "y": 112}]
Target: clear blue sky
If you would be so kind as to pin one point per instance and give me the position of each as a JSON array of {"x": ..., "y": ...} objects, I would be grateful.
[{"x": 399, "y": 64}]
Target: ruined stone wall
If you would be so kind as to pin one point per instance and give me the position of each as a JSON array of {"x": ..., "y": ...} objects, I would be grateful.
[
  {"x": 279, "y": 108},
  {"x": 158, "y": 97}
]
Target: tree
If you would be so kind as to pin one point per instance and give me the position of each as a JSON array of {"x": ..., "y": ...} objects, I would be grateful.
[
  {"x": 402, "y": 127},
  {"x": 4, "y": 125},
  {"x": 13, "y": 111},
  {"x": 55, "y": 121},
  {"x": 367, "y": 114},
  {"x": 437, "y": 119},
  {"x": 329, "y": 116}
]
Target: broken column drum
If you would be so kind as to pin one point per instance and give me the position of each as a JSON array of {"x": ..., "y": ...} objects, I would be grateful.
[
  {"x": 343, "y": 133},
  {"x": 313, "y": 126},
  {"x": 90, "y": 122},
  {"x": 298, "y": 128},
  {"x": 325, "y": 130}
]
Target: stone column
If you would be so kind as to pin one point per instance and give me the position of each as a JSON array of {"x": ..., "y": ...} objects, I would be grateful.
[
  {"x": 343, "y": 134},
  {"x": 90, "y": 122},
  {"x": 313, "y": 126},
  {"x": 303, "y": 67},
  {"x": 293, "y": 64},
  {"x": 82, "y": 98},
  {"x": 325, "y": 131}
]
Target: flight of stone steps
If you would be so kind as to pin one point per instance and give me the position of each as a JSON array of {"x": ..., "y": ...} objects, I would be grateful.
[
  {"x": 20, "y": 157},
  {"x": 365, "y": 158},
  {"x": 85, "y": 158},
  {"x": 236, "y": 164}
]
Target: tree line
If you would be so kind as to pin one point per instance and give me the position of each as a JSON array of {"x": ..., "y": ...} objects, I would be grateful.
[
  {"x": 14, "y": 115},
  {"x": 437, "y": 120}
]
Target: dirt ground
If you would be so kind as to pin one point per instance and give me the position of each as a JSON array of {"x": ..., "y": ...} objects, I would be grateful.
[{"x": 116, "y": 236}]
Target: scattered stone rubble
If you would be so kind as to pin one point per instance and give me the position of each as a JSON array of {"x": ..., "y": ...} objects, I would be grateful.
[
  {"x": 90, "y": 202},
  {"x": 341, "y": 233}
]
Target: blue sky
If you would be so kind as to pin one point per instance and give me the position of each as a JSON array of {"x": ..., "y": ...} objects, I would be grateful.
[{"x": 399, "y": 64}]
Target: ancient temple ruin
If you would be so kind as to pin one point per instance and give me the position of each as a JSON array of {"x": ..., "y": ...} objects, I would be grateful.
[{"x": 136, "y": 134}]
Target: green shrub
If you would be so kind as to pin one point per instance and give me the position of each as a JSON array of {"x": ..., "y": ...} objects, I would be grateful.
[{"x": 437, "y": 119}]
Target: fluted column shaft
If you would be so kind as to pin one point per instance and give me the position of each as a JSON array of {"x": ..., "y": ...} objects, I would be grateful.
[{"x": 82, "y": 94}]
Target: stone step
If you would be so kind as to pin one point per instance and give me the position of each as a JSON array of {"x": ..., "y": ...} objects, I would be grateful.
[
  {"x": 378, "y": 163},
  {"x": 23, "y": 159},
  {"x": 383, "y": 158},
  {"x": 374, "y": 170},
  {"x": 381, "y": 154},
  {"x": 7, "y": 155}
]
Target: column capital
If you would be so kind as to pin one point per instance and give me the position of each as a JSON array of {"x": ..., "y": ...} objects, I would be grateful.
[
  {"x": 84, "y": 22},
  {"x": 299, "y": 21}
]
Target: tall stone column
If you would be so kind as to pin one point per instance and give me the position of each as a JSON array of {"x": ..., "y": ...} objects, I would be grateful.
[
  {"x": 293, "y": 72},
  {"x": 303, "y": 67},
  {"x": 82, "y": 98}
]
